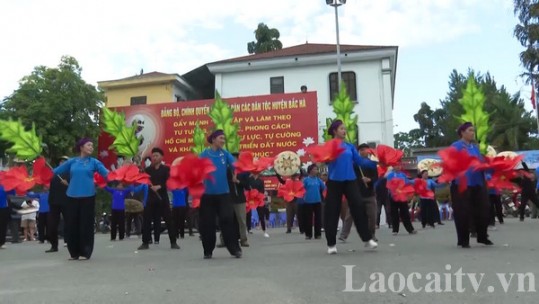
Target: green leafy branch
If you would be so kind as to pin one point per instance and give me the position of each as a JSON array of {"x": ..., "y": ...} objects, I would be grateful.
[
  {"x": 26, "y": 144},
  {"x": 125, "y": 142},
  {"x": 343, "y": 107},
  {"x": 222, "y": 116},
  {"x": 199, "y": 139},
  {"x": 473, "y": 101}
]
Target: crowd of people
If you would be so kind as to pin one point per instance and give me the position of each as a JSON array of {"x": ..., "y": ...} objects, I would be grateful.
[{"x": 351, "y": 192}]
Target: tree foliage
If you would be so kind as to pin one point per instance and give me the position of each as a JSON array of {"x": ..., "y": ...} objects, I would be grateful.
[
  {"x": 266, "y": 40},
  {"x": 527, "y": 33},
  {"x": 59, "y": 102},
  {"x": 511, "y": 126}
]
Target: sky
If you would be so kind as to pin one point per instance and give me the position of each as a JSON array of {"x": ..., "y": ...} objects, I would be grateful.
[{"x": 116, "y": 39}]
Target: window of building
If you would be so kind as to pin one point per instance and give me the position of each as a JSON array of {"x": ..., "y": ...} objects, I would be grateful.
[
  {"x": 138, "y": 100},
  {"x": 349, "y": 79},
  {"x": 179, "y": 98},
  {"x": 276, "y": 85}
]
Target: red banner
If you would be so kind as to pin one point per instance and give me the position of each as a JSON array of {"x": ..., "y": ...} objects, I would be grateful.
[{"x": 269, "y": 124}]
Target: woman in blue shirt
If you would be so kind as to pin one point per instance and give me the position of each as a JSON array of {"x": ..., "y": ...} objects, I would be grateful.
[
  {"x": 180, "y": 209},
  {"x": 314, "y": 187},
  {"x": 428, "y": 206},
  {"x": 81, "y": 193},
  {"x": 399, "y": 209},
  {"x": 471, "y": 210},
  {"x": 216, "y": 200},
  {"x": 342, "y": 180}
]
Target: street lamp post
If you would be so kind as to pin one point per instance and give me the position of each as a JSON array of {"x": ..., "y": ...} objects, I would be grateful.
[{"x": 336, "y": 4}]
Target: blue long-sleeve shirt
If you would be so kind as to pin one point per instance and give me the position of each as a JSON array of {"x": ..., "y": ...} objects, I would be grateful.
[
  {"x": 145, "y": 191},
  {"x": 3, "y": 196},
  {"x": 81, "y": 175},
  {"x": 342, "y": 168},
  {"x": 223, "y": 161},
  {"x": 118, "y": 197},
  {"x": 179, "y": 197},
  {"x": 475, "y": 178},
  {"x": 431, "y": 185},
  {"x": 313, "y": 189},
  {"x": 43, "y": 198},
  {"x": 398, "y": 174}
]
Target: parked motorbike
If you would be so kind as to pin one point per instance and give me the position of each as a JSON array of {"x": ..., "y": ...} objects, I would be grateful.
[{"x": 103, "y": 224}]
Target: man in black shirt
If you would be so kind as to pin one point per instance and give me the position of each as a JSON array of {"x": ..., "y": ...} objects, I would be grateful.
[
  {"x": 366, "y": 178},
  {"x": 158, "y": 204},
  {"x": 57, "y": 204}
]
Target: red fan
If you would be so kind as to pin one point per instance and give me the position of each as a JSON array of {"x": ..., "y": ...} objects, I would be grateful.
[
  {"x": 196, "y": 203},
  {"x": 388, "y": 156},
  {"x": 400, "y": 191},
  {"x": 41, "y": 172},
  {"x": 290, "y": 190},
  {"x": 421, "y": 188},
  {"x": 327, "y": 152},
  {"x": 17, "y": 179},
  {"x": 254, "y": 199},
  {"x": 129, "y": 174},
  {"x": 454, "y": 164},
  {"x": 190, "y": 173},
  {"x": 247, "y": 163},
  {"x": 382, "y": 170},
  {"x": 500, "y": 163},
  {"x": 100, "y": 180},
  {"x": 502, "y": 181}
]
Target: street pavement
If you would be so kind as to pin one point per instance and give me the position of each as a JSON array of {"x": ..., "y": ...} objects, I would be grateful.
[{"x": 284, "y": 268}]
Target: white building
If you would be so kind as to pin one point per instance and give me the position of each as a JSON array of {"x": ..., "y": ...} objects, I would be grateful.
[{"x": 368, "y": 71}]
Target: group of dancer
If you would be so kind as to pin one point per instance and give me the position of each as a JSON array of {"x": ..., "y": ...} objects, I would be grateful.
[{"x": 352, "y": 176}]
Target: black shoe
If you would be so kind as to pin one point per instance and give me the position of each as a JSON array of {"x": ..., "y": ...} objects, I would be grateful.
[
  {"x": 220, "y": 246},
  {"x": 413, "y": 232},
  {"x": 207, "y": 256},
  {"x": 52, "y": 250},
  {"x": 156, "y": 242},
  {"x": 42, "y": 242},
  {"x": 473, "y": 234},
  {"x": 522, "y": 219},
  {"x": 308, "y": 237},
  {"x": 174, "y": 246},
  {"x": 440, "y": 223},
  {"x": 465, "y": 246},
  {"x": 486, "y": 242},
  {"x": 288, "y": 231},
  {"x": 317, "y": 237},
  {"x": 191, "y": 234},
  {"x": 150, "y": 242},
  {"x": 143, "y": 247},
  {"x": 237, "y": 254}
]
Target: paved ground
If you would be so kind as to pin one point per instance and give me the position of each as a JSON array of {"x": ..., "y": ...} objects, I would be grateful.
[{"x": 281, "y": 269}]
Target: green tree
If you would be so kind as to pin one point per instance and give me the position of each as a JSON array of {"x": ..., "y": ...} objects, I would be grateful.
[
  {"x": 527, "y": 33},
  {"x": 62, "y": 105},
  {"x": 511, "y": 126},
  {"x": 266, "y": 40},
  {"x": 406, "y": 141}
]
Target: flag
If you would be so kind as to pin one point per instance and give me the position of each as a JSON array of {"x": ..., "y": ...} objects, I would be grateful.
[{"x": 533, "y": 96}]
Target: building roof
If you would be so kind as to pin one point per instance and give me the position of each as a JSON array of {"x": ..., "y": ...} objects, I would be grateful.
[
  {"x": 147, "y": 78},
  {"x": 304, "y": 49}
]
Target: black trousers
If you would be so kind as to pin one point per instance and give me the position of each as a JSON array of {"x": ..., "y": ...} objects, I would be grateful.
[
  {"x": 524, "y": 202},
  {"x": 117, "y": 221},
  {"x": 179, "y": 216},
  {"x": 350, "y": 189},
  {"x": 310, "y": 211},
  {"x": 399, "y": 212},
  {"x": 133, "y": 219},
  {"x": 383, "y": 201},
  {"x": 428, "y": 208},
  {"x": 154, "y": 210},
  {"x": 4, "y": 220},
  {"x": 263, "y": 214},
  {"x": 42, "y": 226},
  {"x": 496, "y": 209},
  {"x": 212, "y": 207},
  {"x": 80, "y": 222},
  {"x": 470, "y": 208},
  {"x": 53, "y": 221}
]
